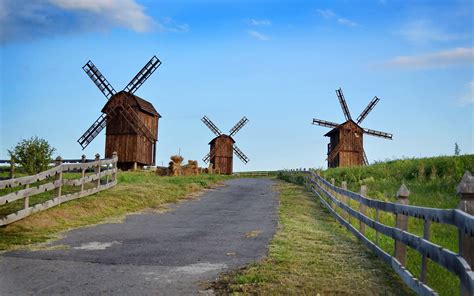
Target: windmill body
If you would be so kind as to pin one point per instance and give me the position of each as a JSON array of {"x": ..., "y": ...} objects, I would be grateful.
[
  {"x": 132, "y": 147},
  {"x": 346, "y": 144},
  {"x": 223, "y": 148},
  {"x": 222, "y": 154},
  {"x": 131, "y": 122}
]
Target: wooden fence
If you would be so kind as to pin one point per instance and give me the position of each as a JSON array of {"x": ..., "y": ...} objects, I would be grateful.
[
  {"x": 103, "y": 176},
  {"x": 333, "y": 197}
]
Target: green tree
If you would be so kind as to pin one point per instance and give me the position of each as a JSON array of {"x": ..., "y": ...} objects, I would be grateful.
[
  {"x": 457, "y": 150},
  {"x": 33, "y": 154}
]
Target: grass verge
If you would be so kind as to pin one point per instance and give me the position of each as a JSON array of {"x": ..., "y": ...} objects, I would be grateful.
[
  {"x": 136, "y": 191},
  {"x": 310, "y": 254},
  {"x": 432, "y": 183}
]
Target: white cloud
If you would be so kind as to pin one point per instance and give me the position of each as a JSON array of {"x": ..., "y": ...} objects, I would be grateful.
[
  {"x": 262, "y": 22},
  {"x": 456, "y": 56},
  {"x": 26, "y": 19},
  {"x": 423, "y": 31},
  {"x": 344, "y": 21},
  {"x": 326, "y": 13},
  {"x": 169, "y": 25},
  {"x": 258, "y": 35},
  {"x": 124, "y": 13},
  {"x": 468, "y": 97},
  {"x": 329, "y": 14}
]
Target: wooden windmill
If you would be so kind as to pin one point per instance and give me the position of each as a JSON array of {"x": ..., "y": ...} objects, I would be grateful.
[
  {"x": 346, "y": 139},
  {"x": 131, "y": 122},
  {"x": 223, "y": 147}
]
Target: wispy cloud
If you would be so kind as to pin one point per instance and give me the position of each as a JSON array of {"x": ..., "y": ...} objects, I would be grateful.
[
  {"x": 423, "y": 31},
  {"x": 258, "y": 35},
  {"x": 326, "y": 13},
  {"x": 468, "y": 97},
  {"x": 456, "y": 56},
  {"x": 259, "y": 22},
  {"x": 344, "y": 21},
  {"x": 25, "y": 19},
  {"x": 123, "y": 13},
  {"x": 331, "y": 15},
  {"x": 169, "y": 25}
]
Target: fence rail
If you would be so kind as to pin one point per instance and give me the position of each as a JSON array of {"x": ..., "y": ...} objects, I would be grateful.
[
  {"x": 333, "y": 197},
  {"x": 102, "y": 168}
]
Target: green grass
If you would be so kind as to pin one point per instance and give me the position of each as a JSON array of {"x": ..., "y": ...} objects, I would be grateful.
[
  {"x": 432, "y": 183},
  {"x": 136, "y": 191},
  {"x": 310, "y": 254}
]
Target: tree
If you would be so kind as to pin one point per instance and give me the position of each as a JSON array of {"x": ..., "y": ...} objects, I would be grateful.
[
  {"x": 33, "y": 154},
  {"x": 457, "y": 150}
]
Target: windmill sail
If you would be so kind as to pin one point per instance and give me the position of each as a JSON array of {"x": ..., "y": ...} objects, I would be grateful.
[
  {"x": 104, "y": 86},
  {"x": 240, "y": 154},
  {"x": 324, "y": 123},
  {"x": 367, "y": 109},
  {"x": 211, "y": 126},
  {"x": 93, "y": 131},
  {"x": 238, "y": 126},
  {"x": 378, "y": 133},
  {"x": 143, "y": 75},
  {"x": 343, "y": 103}
]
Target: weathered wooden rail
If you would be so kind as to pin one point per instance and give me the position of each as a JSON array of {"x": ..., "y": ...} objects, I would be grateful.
[
  {"x": 333, "y": 197},
  {"x": 105, "y": 169}
]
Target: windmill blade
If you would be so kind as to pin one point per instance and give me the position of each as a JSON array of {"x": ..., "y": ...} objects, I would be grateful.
[
  {"x": 367, "y": 109},
  {"x": 343, "y": 103},
  {"x": 143, "y": 75},
  {"x": 240, "y": 154},
  {"x": 378, "y": 134},
  {"x": 211, "y": 126},
  {"x": 93, "y": 131},
  {"x": 324, "y": 123},
  {"x": 104, "y": 86},
  {"x": 208, "y": 157},
  {"x": 238, "y": 126}
]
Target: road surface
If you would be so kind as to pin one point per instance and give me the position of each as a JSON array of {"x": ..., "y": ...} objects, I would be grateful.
[{"x": 151, "y": 253}]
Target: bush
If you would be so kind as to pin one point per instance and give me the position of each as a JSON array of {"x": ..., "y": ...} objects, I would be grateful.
[{"x": 33, "y": 154}]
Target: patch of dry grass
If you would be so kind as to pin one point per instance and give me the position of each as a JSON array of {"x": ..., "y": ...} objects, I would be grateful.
[{"x": 311, "y": 254}]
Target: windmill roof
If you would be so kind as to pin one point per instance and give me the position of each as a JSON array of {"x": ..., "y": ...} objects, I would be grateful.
[
  {"x": 142, "y": 104},
  {"x": 334, "y": 130},
  {"x": 226, "y": 136}
]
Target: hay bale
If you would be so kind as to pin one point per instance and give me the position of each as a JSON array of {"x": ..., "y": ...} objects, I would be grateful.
[{"x": 174, "y": 168}]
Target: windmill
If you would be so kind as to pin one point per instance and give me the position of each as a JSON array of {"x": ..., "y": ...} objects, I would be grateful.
[
  {"x": 346, "y": 139},
  {"x": 223, "y": 147},
  {"x": 131, "y": 122}
]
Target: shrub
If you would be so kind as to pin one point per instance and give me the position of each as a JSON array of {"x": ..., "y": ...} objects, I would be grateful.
[{"x": 33, "y": 154}]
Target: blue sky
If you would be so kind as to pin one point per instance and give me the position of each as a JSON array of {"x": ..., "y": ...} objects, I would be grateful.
[{"x": 276, "y": 62}]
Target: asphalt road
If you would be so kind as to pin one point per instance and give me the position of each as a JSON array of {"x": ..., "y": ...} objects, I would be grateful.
[{"x": 151, "y": 253}]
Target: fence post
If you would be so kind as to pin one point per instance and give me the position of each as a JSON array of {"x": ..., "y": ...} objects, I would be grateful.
[
  {"x": 97, "y": 170},
  {"x": 363, "y": 192},
  {"x": 83, "y": 171},
  {"x": 59, "y": 176},
  {"x": 402, "y": 224},
  {"x": 12, "y": 168},
  {"x": 345, "y": 200},
  {"x": 465, "y": 191},
  {"x": 114, "y": 166}
]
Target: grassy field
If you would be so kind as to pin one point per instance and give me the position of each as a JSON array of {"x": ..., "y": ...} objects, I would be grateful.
[
  {"x": 135, "y": 191},
  {"x": 309, "y": 254},
  {"x": 432, "y": 183}
]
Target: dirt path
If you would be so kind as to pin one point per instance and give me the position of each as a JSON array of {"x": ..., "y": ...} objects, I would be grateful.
[{"x": 150, "y": 253}]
